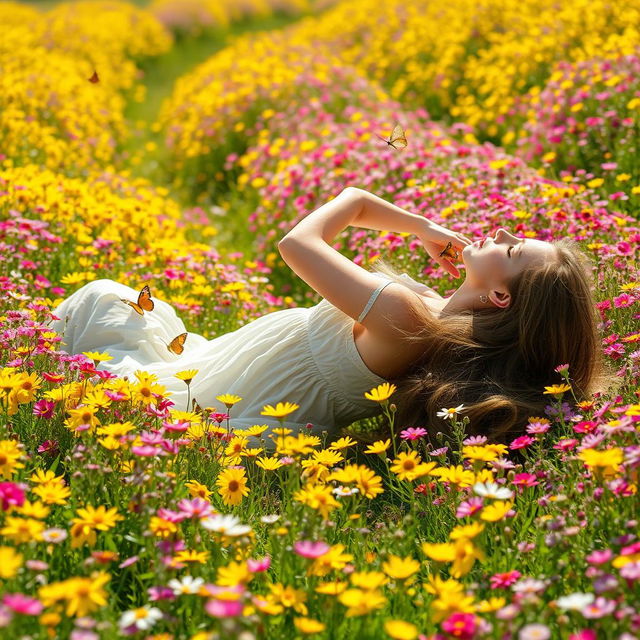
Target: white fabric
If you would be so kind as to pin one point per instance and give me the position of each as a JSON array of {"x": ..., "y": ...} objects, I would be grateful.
[
  {"x": 303, "y": 355},
  {"x": 372, "y": 299}
]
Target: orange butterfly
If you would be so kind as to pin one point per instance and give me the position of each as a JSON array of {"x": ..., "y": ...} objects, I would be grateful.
[
  {"x": 145, "y": 303},
  {"x": 449, "y": 252},
  {"x": 195, "y": 407},
  {"x": 94, "y": 78},
  {"x": 397, "y": 137},
  {"x": 176, "y": 345}
]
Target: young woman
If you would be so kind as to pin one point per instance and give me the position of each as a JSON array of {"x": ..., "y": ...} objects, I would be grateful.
[{"x": 524, "y": 308}]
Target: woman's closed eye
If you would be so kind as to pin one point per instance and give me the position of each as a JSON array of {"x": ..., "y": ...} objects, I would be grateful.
[{"x": 509, "y": 251}]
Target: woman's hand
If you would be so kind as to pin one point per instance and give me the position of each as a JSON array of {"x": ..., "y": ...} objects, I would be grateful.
[{"x": 435, "y": 239}]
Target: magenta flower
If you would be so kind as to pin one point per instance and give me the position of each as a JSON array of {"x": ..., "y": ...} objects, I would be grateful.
[
  {"x": 20, "y": 603},
  {"x": 623, "y": 300},
  {"x": 195, "y": 508},
  {"x": 460, "y": 625},
  {"x": 258, "y": 565},
  {"x": 224, "y": 608},
  {"x": 504, "y": 580},
  {"x": 599, "y": 608},
  {"x": 44, "y": 408},
  {"x": 565, "y": 444},
  {"x": 585, "y": 634},
  {"x": 562, "y": 369},
  {"x": 469, "y": 507},
  {"x": 11, "y": 495},
  {"x": 413, "y": 433},
  {"x": 598, "y": 557},
  {"x": 521, "y": 443},
  {"x": 525, "y": 480},
  {"x": 310, "y": 549},
  {"x": 147, "y": 451}
]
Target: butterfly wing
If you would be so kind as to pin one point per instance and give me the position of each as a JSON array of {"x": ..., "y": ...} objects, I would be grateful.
[
  {"x": 398, "y": 138},
  {"x": 134, "y": 306},
  {"x": 176, "y": 345},
  {"x": 449, "y": 252},
  {"x": 144, "y": 299},
  {"x": 94, "y": 78}
]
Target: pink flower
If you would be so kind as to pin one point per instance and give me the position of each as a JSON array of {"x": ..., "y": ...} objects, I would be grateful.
[
  {"x": 525, "y": 480},
  {"x": 504, "y": 580},
  {"x": 562, "y": 368},
  {"x": 20, "y": 603},
  {"x": 310, "y": 549},
  {"x": 521, "y": 442},
  {"x": 585, "y": 634},
  {"x": 195, "y": 508},
  {"x": 258, "y": 565},
  {"x": 147, "y": 451},
  {"x": 469, "y": 507},
  {"x": 460, "y": 625},
  {"x": 11, "y": 495},
  {"x": 599, "y": 556},
  {"x": 534, "y": 631},
  {"x": 623, "y": 300},
  {"x": 538, "y": 427},
  {"x": 44, "y": 408},
  {"x": 413, "y": 433},
  {"x": 223, "y": 608},
  {"x": 599, "y": 608},
  {"x": 565, "y": 444}
]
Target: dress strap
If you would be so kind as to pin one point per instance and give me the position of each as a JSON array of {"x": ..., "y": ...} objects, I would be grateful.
[{"x": 372, "y": 299}]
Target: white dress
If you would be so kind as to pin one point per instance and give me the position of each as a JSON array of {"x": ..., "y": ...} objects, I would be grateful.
[{"x": 302, "y": 355}]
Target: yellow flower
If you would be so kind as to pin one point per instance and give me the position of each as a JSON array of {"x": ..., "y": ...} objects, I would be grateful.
[
  {"x": 10, "y": 454},
  {"x": 496, "y": 511},
  {"x": 83, "y": 595},
  {"x": 455, "y": 475},
  {"x": 342, "y": 443},
  {"x": 331, "y": 588},
  {"x": 492, "y": 604},
  {"x": 197, "y": 490},
  {"x": 10, "y": 562},
  {"x": 232, "y": 485},
  {"x": 233, "y": 574},
  {"x": 308, "y": 625},
  {"x": 400, "y": 568},
  {"x": 35, "y": 510},
  {"x": 228, "y": 400},
  {"x": 557, "y": 389},
  {"x": 380, "y": 446},
  {"x": 359, "y": 602},
  {"x": 161, "y": 527},
  {"x": 333, "y": 560},
  {"x": 22, "y": 529},
  {"x": 593, "y": 458},
  {"x": 369, "y": 484},
  {"x": 268, "y": 464},
  {"x": 381, "y": 393},
  {"x": 466, "y": 531},
  {"x": 200, "y": 557},
  {"x": 483, "y": 454},
  {"x": 405, "y": 465},
  {"x": 317, "y": 497},
  {"x": 400, "y": 630},
  {"x": 187, "y": 376},
  {"x": 52, "y": 493},
  {"x": 97, "y": 356},
  {"x": 40, "y": 476},
  {"x": 461, "y": 553},
  {"x": 369, "y": 579},
  {"x": 288, "y": 597},
  {"x": 281, "y": 410}
]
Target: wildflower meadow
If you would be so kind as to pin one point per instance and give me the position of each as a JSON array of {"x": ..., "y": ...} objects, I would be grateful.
[{"x": 172, "y": 144}]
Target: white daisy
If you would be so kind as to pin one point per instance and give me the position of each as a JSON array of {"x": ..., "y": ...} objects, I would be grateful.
[
  {"x": 343, "y": 492},
  {"x": 492, "y": 490},
  {"x": 142, "y": 618},
  {"x": 187, "y": 584},
  {"x": 450, "y": 414},
  {"x": 226, "y": 524},
  {"x": 575, "y": 601}
]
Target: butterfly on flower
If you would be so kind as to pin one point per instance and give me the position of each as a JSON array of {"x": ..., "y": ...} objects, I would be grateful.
[
  {"x": 145, "y": 303},
  {"x": 397, "y": 139},
  {"x": 449, "y": 252},
  {"x": 94, "y": 78},
  {"x": 176, "y": 345}
]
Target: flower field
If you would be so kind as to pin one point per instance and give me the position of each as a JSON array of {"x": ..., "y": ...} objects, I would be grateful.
[{"x": 124, "y": 514}]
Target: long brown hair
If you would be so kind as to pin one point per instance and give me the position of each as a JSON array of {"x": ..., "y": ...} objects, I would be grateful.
[{"x": 496, "y": 362}]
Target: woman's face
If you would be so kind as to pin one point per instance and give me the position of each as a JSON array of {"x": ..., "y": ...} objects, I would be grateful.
[{"x": 491, "y": 262}]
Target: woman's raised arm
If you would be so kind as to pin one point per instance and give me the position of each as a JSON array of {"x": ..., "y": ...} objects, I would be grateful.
[{"x": 347, "y": 286}]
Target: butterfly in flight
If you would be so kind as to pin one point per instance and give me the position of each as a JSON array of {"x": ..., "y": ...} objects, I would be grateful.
[
  {"x": 176, "y": 345},
  {"x": 94, "y": 78},
  {"x": 449, "y": 252},
  {"x": 145, "y": 303},
  {"x": 195, "y": 407},
  {"x": 397, "y": 139}
]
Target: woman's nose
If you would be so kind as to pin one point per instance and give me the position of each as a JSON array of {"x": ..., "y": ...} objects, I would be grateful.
[{"x": 503, "y": 234}]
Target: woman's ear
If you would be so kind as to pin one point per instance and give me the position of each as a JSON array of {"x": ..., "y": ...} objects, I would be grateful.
[{"x": 500, "y": 299}]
